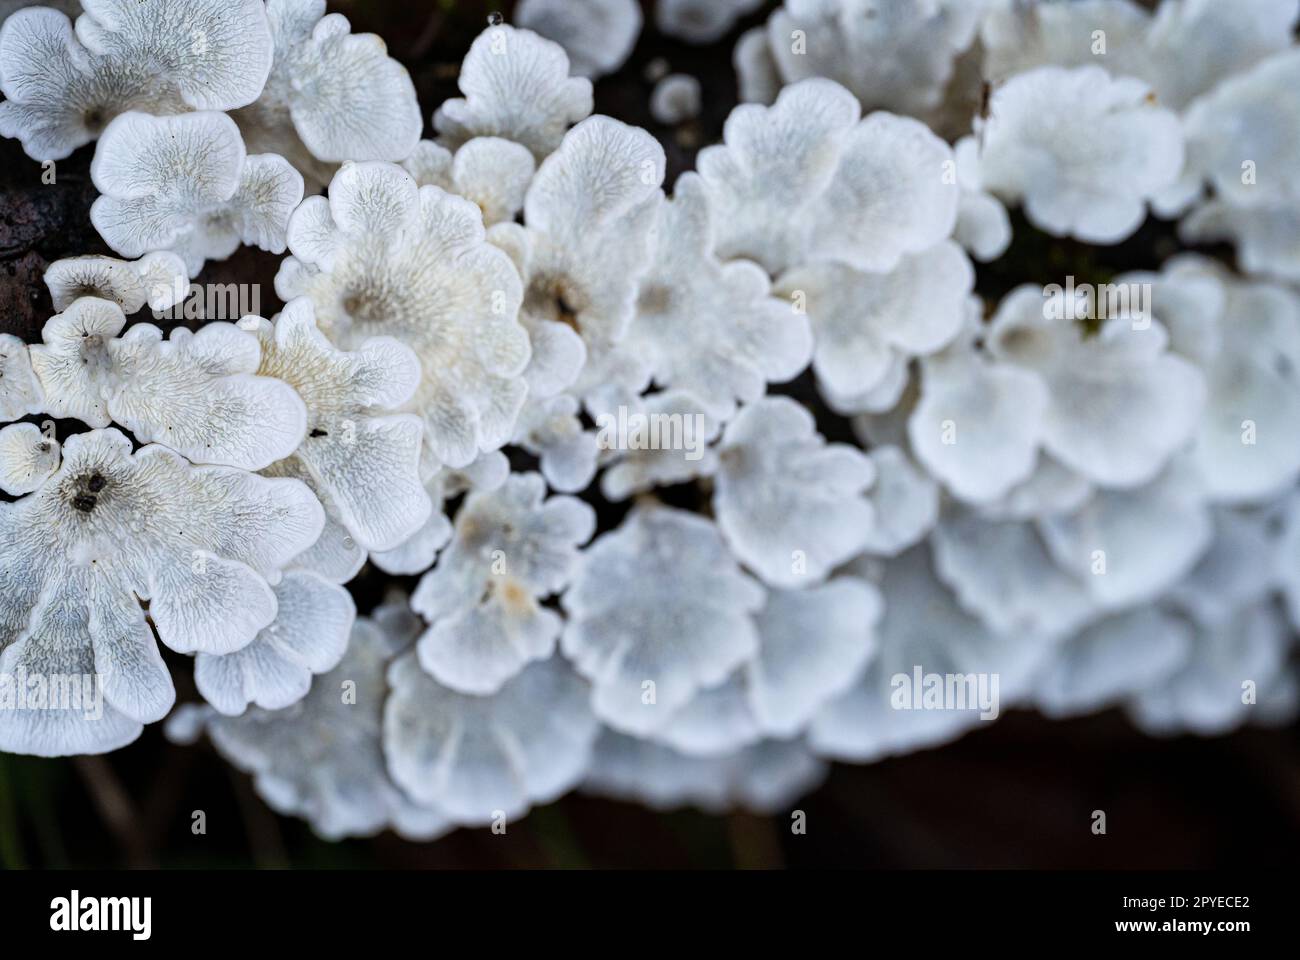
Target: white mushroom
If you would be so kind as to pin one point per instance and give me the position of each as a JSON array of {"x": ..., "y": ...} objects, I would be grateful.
[
  {"x": 1125, "y": 374},
  {"x": 493, "y": 172},
  {"x": 804, "y": 178},
  {"x": 20, "y": 391},
  {"x": 925, "y": 633},
  {"x": 705, "y": 327},
  {"x": 550, "y": 429},
  {"x": 590, "y": 214},
  {"x": 384, "y": 257},
  {"x": 664, "y": 442},
  {"x": 657, "y": 612},
  {"x": 598, "y": 35},
  {"x": 700, "y": 21},
  {"x": 322, "y": 758},
  {"x": 516, "y": 86},
  {"x": 110, "y": 529},
  {"x": 790, "y": 505},
  {"x": 308, "y": 636},
  {"x": 361, "y": 454},
  {"x": 168, "y": 56},
  {"x": 1082, "y": 150},
  {"x": 198, "y": 393},
  {"x": 675, "y": 99},
  {"x": 483, "y": 598},
  {"x": 892, "y": 54},
  {"x": 158, "y": 279},
  {"x": 1110, "y": 660},
  {"x": 185, "y": 184},
  {"x": 813, "y": 644},
  {"x": 479, "y": 759},
  {"x": 27, "y": 458},
  {"x": 863, "y": 323},
  {"x": 331, "y": 95}
]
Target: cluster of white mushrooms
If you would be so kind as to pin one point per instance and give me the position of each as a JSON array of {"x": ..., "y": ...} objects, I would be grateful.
[{"x": 1096, "y": 507}]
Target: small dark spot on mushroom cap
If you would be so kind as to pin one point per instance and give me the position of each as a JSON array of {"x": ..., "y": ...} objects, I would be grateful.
[
  {"x": 317, "y": 432},
  {"x": 555, "y": 296},
  {"x": 367, "y": 305},
  {"x": 96, "y": 482},
  {"x": 568, "y": 314},
  {"x": 515, "y": 598},
  {"x": 655, "y": 298},
  {"x": 84, "y": 502}
]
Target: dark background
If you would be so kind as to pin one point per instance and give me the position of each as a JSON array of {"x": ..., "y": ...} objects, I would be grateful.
[{"x": 1018, "y": 793}]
